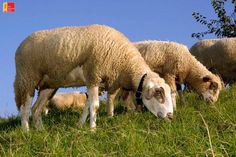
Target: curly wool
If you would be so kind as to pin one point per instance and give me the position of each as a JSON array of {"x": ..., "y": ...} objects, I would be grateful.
[
  {"x": 174, "y": 61},
  {"x": 219, "y": 54},
  {"x": 104, "y": 54}
]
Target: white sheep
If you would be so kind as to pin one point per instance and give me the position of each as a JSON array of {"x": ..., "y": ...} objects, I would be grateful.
[
  {"x": 77, "y": 56},
  {"x": 219, "y": 54},
  {"x": 67, "y": 100},
  {"x": 174, "y": 63}
]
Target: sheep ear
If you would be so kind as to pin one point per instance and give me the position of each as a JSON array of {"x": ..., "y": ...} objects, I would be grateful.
[{"x": 206, "y": 79}]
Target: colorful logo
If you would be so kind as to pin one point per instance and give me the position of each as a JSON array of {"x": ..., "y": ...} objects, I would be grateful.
[{"x": 8, "y": 7}]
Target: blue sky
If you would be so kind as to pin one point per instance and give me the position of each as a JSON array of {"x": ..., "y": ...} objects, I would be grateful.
[{"x": 137, "y": 19}]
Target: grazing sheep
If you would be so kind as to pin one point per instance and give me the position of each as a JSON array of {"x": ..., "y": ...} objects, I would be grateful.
[
  {"x": 77, "y": 56},
  {"x": 70, "y": 100},
  {"x": 174, "y": 63},
  {"x": 219, "y": 54}
]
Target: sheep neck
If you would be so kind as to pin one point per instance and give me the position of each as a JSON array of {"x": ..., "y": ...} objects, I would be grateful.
[
  {"x": 136, "y": 75},
  {"x": 195, "y": 72}
]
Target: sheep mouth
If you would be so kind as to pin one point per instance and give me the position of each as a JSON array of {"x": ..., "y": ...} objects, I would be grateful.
[
  {"x": 210, "y": 100},
  {"x": 168, "y": 117},
  {"x": 200, "y": 97}
]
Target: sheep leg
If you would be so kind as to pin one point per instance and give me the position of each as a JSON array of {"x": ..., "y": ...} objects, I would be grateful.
[
  {"x": 127, "y": 98},
  {"x": 129, "y": 101},
  {"x": 84, "y": 114},
  {"x": 170, "y": 80},
  {"x": 93, "y": 105},
  {"x": 110, "y": 104},
  {"x": 25, "y": 113},
  {"x": 42, "y": 100}
]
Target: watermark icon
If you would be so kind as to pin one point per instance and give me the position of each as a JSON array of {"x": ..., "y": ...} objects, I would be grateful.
[{"x": 8, "y": 7}]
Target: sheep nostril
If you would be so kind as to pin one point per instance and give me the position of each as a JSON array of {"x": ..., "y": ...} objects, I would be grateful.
[
  {"x": 160, "y": 115},
  {"x": 170, "y": 115}
]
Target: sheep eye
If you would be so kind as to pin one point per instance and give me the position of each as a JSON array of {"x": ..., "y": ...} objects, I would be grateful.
[{"x": 158, "y": 93}]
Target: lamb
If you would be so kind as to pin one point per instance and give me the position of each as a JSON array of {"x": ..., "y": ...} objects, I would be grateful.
[
  {"x": 78, "y": 56},
  {"x": 62, "y": 101},
  {"x": 174, "y": 63},
  {"x": 219, "y": 54}
]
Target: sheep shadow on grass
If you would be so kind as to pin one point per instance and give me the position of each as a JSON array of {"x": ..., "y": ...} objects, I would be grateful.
[
  {"x": 55, "y": 116},
  {"x": 7, "y": 124}
]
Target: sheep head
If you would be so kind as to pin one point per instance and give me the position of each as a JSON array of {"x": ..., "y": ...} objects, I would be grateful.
[
  {"x": 156, "y": 96},
  {"x": 210, "y": 88}
]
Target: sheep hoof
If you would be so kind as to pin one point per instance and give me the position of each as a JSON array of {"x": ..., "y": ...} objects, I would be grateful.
[
  {"x": 25, "y": 126},
  {"x": 25, "y": 129},
  {"x": 110, "y": 115},
  {"x": 93, "y": 130},
  {"x": 39, "y": 127},
  {"x": 38, "y": 124},
  {"x": 80, "y": 124}
]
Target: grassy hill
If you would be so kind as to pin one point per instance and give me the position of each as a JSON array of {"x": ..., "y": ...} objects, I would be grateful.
[{"x": 198, "y": 129}]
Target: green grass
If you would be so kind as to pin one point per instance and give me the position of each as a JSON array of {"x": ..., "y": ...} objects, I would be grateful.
[{"x": 130, "y": 134}]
